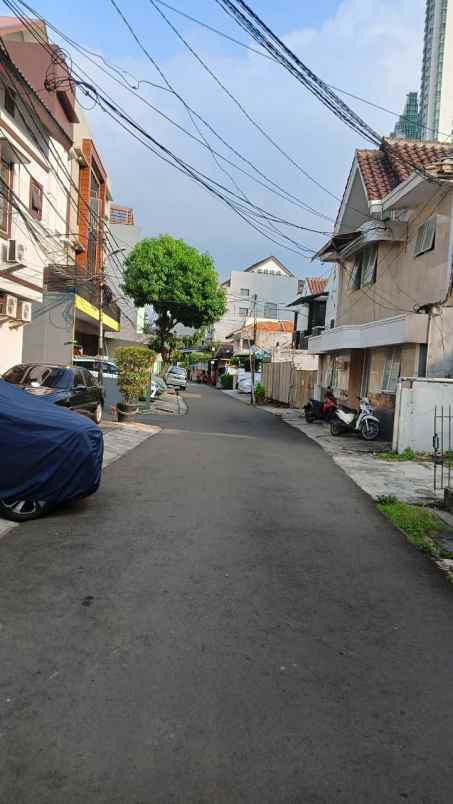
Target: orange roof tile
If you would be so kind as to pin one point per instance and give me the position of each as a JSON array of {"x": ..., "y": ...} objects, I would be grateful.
[
  {"x": 315, "y": 285},
  {"x": 384, "y": 169}
]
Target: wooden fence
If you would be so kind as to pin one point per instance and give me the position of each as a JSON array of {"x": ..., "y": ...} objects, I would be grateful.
[{"x": 284, "y": 383}]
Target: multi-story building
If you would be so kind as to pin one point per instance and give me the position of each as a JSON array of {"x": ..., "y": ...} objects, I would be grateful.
[
  {"x": 36, "y": 134},
  {"x": 125, "y": 234},
  {"x": 408, "y": 126},
  {"x": 75, "y": 175},
  {"x": 393, "y": 249},
  {"x": 265, "y": 289},
  {"x": 436, "y": 92}
]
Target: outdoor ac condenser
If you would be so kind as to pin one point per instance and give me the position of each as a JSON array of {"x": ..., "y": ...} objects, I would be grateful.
[
  {"x": 8, "y": 306},
  {"x": 25, "y": 311}
]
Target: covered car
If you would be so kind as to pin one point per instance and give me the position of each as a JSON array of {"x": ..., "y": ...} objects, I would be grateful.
[{"x": 49, "y": 455}]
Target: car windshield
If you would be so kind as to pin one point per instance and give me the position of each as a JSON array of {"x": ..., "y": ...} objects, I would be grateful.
[
  {"x": 47, "y": 376},
  {"x": 177, "y": 370}
]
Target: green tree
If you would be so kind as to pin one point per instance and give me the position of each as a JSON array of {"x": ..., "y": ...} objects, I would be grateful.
[{"x": 178, "y": 281}]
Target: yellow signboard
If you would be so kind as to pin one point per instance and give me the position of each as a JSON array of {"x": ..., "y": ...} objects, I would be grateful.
[{"x": 89, "y": 309}]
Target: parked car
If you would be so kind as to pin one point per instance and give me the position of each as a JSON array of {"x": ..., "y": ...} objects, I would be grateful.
[
  {"x": 53, "y": 456},
  {"x": 70, "y": 387},
  {"x": 160, "y": 383},
  {"x": 109, "y": 367},
  {"x": 177, "y": 377}
]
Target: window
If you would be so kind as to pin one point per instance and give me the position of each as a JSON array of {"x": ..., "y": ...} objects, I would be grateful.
[
  {"x": 88, "y": 378},
  {"x": 36, "y": 194},
  {"x": 5, "y": 201},
  {"x": 270, "y": 310},
  {"x": 10, "y": 101},
  {"x": 364, "y": 271},
  {"x": 426, "y": 237},
  {"x": 392, "y": 368},
  {"x": 245, "y": 292},
  {"x": 79, "y": 378},
  {"x": 243, "y": 312}
]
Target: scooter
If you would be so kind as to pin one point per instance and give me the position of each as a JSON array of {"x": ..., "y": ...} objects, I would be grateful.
[
  {"x": 321, "y": 411},
  {"x": 362, "y": 421}
]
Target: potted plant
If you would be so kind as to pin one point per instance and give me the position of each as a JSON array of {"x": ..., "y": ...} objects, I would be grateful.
[{"x": 134, "y": 367}]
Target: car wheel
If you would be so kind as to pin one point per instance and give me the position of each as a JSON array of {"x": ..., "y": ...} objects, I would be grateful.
[
  {"x": 98, "y": 413},
  {"x": 21, "y": 510},
  {"x": 309, "y": 418}
]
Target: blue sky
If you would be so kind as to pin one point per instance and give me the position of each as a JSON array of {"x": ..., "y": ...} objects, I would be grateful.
[{"x": 369, "y": 47}]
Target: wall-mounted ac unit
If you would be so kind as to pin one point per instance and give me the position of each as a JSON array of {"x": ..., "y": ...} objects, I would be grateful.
[
  {"x": 20, "y": 251},
  {"x": 8, "y": 306},
  {"x": 4, "y": 252},
  {"x": 25, "y": 311}
]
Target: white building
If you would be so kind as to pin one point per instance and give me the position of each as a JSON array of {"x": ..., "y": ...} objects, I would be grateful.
[
  {"x": 266, "y": 287},
  {"x": 436, "y": 92},
  {"x": 35, "y": 139}
]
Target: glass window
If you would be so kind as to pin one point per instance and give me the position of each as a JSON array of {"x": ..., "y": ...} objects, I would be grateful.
[
  {"x": 426, "y": 237},
  {"x": 47, "y": 376},
  {"x": 36, "y": 194},
  {"x": 79, "y": 378},
  {"x": 270, "y": 310},
  {"x": 88, "y": 378},
  {"x": 243, "y": 312},
  {"x": 5, "y": 202},
  {"x": 392, "y": 368},
  {"x": 364, "y": 270},
  {"x": 245, "y": 292}
]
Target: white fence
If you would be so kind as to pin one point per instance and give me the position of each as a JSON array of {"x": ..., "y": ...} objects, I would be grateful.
[{"x": 416, "y": 401}]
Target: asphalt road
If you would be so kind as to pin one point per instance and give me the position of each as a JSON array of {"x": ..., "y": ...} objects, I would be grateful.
[{"x": 229, "y": 620}]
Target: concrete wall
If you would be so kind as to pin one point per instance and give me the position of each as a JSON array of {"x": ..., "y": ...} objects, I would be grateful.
[
  {"x": 48, "y": 337},
  {"x": 10, "y": 347},
  {"x": 416, "y": 401},
  {"x": 402, "y": 280}
]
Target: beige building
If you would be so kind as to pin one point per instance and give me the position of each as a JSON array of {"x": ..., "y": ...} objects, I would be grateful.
[
  {"x": 270, "y": 335},
  {"x": 393, "y": 252}
]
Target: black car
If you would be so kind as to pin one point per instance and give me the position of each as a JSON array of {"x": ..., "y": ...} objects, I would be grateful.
[{"x": 73, "y": 388}]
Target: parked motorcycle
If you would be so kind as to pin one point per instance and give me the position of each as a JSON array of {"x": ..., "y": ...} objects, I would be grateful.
[
  {"x": 360, "y": 421},
  {"x": 321, "y": 411}
]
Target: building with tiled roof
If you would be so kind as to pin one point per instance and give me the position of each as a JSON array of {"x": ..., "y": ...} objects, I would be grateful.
[{"x": 393, "y": 252}]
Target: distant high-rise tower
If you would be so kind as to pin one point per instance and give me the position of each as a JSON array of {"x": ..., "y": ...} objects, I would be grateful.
[
  {"x": 436, "y": 92},
  {"x": 407, "y": 127}
]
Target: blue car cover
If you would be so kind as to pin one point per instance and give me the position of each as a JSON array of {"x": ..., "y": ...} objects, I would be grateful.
[{"x": 47, "y": 453}]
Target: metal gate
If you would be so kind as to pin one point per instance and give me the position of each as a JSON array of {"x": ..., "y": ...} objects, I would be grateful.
[{"x": 442, "y": 447}]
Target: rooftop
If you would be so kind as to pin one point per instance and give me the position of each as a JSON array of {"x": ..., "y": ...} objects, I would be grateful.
[{"x": 385, "y": 168}]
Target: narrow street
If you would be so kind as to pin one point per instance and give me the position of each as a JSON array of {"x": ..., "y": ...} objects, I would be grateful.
[{"x": 228, "y": 620}]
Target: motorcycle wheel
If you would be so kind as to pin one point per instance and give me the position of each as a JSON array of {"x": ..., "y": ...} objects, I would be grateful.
[
  {"x": 336, "y": 428},
  {"x": 369, "y": 430},
  {"x": 309, "y": 418}
]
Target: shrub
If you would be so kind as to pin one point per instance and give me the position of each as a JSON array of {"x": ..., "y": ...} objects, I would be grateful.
[
  {"x": 260, "y": 393},
  {"x": 134, "y": 365},
  {"x": 226, "y": 381}
]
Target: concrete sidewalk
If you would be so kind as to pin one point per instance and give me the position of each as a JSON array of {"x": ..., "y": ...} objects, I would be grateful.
[{"x": 410, "y": 481}]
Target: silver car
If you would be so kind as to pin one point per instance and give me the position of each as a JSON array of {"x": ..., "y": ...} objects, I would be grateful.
[{"x": 176, "y": 377}]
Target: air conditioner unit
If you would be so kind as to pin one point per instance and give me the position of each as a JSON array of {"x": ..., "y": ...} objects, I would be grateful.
[
  {"x": 8, "y": 306},
  {"x": 21, "y": 249},
  {"x": 4, "y": 252},
  {"x": 11, "y": 251},
  {"x": 25, "y": 311}
]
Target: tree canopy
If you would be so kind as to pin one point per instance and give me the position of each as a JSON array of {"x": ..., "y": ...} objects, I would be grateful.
[{"x": 179, "y": 282}]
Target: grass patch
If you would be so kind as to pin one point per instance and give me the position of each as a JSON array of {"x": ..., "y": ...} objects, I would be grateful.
[
  {"x": 407, "y": 455},
  {"x": 420, "y": 525}
]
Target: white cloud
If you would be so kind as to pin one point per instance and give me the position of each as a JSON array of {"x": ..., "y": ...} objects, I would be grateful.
[{"x": 372, "y": 48}]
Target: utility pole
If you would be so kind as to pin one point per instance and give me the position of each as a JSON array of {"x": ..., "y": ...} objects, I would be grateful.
[
  {"x": 101, "y": 328},
  {"x": 252, "y": 355}
]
